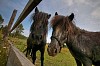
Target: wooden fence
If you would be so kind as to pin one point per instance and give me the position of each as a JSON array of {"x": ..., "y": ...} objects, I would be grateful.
[
  {"x": 17, "y": 58},
  {"x": 28, "y": 8}
]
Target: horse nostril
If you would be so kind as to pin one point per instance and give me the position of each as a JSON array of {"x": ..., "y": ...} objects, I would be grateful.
[
  {"x": 40, "y": 37},
  {"x": 48, "y": 45},
  {"x": 55, "y": 50}
]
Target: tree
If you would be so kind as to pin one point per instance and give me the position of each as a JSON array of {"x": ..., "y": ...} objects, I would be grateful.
[
  {"x": 18, "y": 30},
  {"x": 1, "y": 21}
]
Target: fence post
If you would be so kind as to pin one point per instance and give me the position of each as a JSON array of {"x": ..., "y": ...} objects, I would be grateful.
[
  {"x": 12, "y": 19},
  {"x": 28, "y": 8},
  {"x": 17, "y": 58},
  {"x": 9, "y": 24},
  {"x": 6, "y": 33}
]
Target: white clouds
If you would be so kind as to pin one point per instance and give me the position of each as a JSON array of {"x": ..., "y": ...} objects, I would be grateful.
[
  {"x": 18, "y": 5},
  {"x": 68, "y": 2},
  {"x": 26, "y": 33},
  {"x": 80, "y": 1},
  {"x": 96, "y": 13},
  {"x": 75, "y": 2},
  {"x": 48, "y": 40},
  {"x": 87, "y": 12},
  {"x": 4, "y": 23}
]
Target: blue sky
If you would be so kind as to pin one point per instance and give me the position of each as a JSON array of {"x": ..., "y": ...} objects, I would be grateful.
[{"x": 87, "y": 12}]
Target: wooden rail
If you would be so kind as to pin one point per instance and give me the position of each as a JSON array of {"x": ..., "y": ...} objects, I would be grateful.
[
  {"x": 17, "y": 58},
  {"x": 28, "y": 8}
]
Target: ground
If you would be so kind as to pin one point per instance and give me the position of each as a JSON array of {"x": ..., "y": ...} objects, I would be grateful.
[{"x": 62, "y": 59}]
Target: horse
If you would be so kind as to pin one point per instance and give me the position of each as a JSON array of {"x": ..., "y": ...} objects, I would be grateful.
[
  {"x": 38, "y": 32},
  {"x": 83, "y": 45}
]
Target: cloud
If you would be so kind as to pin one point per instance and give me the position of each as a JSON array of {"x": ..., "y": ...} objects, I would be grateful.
[
  {"x": 26, "y": 33},
  {"x": 68, "y": 2},
  {"x": 76, "y": 2},
  {"x": 87, "y": 12},
  {"x": 48, "y": 40},
  {"x": 96, "y": 13},
  {"x": 80, "y": 1}
]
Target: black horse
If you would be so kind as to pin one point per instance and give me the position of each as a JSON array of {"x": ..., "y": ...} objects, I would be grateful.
[
  {"x": 37, "y": 38},
  {"x": 83, "y": 45}
]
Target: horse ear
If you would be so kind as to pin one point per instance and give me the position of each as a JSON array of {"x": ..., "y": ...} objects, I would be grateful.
[
  {"x": 36, "y": 10},
  {"x": 49, "y": 16},
  {"x": 56, "y": 13},
  {"x": 71, "y": 17}
]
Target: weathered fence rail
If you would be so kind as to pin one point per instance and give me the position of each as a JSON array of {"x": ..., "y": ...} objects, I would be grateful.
[
  {"x": 17, "y": 58},
  {"x": 28, "y": 8}
]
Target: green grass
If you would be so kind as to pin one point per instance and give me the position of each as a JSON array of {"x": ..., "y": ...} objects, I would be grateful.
[
  {"x": 19, "y": 43},
  {"x": 62, "y": 59},
  {"x": 3, "y": 55}
]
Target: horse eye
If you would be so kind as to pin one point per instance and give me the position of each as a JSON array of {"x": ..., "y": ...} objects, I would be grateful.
[
  {"x": 48, "y": 45},
  {"x": 41, "y": 37},
  {"x": 40, "y": 27}
]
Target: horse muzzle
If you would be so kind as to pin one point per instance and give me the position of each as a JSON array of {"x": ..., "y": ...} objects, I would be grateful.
[{"x": 52, "y": 52}]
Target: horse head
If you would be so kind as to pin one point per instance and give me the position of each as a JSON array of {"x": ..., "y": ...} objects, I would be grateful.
[
  {"x": 39, "y": 27},
  {"x": 61, "y": 28}
]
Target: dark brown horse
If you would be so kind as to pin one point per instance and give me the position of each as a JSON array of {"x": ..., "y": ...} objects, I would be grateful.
[
  {"x": 37, "y": 38},
  {"x": 83, "y": 45}
]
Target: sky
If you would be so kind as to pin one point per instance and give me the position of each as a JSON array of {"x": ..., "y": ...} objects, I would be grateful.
[{"x": 87, "y": 12}]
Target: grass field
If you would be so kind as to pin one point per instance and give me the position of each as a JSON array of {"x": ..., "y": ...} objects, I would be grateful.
[
  {"x": 62, "y": 59},
  {"x": 3, "y": 55}
]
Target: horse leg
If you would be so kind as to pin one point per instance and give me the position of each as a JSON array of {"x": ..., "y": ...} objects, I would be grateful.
[
  {"x": 30, "y": 52},
  {"x": 78, "y": 62},
  {"x": 42, "y": 55},
  {"x": 60, "y": 49},
  {"x": 26, "y": 51},
  {"x": 33, "y": 56}
]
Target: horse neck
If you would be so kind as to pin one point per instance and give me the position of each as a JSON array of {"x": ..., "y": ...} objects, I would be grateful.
[{"x": 73, "y": 32}]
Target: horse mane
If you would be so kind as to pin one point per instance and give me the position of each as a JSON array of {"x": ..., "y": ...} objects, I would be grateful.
[
  {"x": 62, "y": 22},
  {"x": 56, "y": 20},
  {"x": 36, "y": 17}
]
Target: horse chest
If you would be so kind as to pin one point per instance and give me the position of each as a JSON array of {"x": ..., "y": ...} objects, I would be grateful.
[{"x": 79, "y": 51}]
